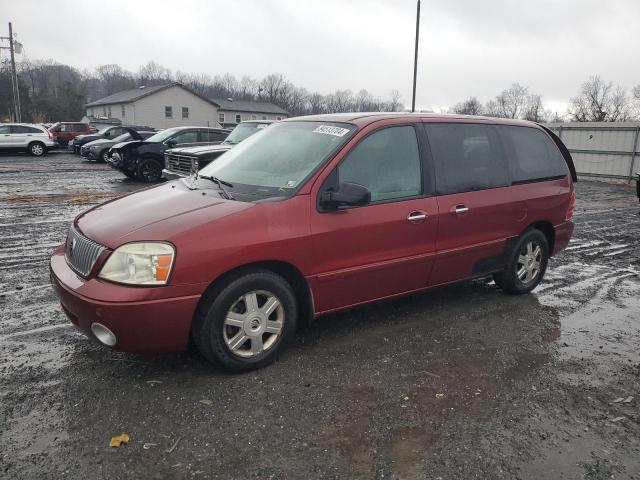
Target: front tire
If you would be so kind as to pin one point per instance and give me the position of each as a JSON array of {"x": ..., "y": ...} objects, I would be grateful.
[
  {"x": 526, "y": 263},
  {"x": 37, "y": 149},
  {"x": 104, "y": 156},
  {"x": 245, "y": 324},
  {"x": 149, "y": 171}
]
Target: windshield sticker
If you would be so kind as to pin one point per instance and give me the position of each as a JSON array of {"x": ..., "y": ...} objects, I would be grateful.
[{"x": 329, "y": 130}]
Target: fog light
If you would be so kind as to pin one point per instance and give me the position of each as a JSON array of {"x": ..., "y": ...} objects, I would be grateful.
[{"x": 103, "y": 334}]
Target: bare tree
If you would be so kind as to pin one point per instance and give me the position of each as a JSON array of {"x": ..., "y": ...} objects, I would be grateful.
[
  {"x": 317, "y": 103},
  {"x": 534, "y": 110},
  {"x": 510, "y": 103},
  {"x": 470, "y": 106},
  {"x": 114, "y": 78},
  {"x": 395, "y": 101},
  {"x": 600, "y": 101},
  {"x": 153, "y": 74}
]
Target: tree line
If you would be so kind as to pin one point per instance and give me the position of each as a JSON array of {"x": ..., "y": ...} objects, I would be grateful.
[
  {"x": 50, "y": 91},
  {"x": 597, "y": 101}
]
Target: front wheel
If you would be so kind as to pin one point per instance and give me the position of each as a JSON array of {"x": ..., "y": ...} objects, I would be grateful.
[
  {"x": 37, "y": 149},
  {"x": 246, "y": 324},
  {"x": 526, "y": 263},
  {"x": 104, "y": 156},
  {"x": 149, "y": 171}
]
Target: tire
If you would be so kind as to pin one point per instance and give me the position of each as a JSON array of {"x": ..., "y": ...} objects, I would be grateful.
[
  {"x": 149, "y": 171},
  {"x": 104, "y": 156},
  {"x": 129, "y": 174},
  {"x": 37, "y": 149},
  {"x": 526, "y": 263},
  {"x": 246, "y": 341}
]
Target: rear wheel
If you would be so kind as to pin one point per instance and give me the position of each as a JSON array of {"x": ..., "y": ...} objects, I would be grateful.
[
  {"x": 149, "y": 171},
  {"x": 104, "y": 156},
  {"x": 246, "y": 324},
  {"x": 37, "y": 149},
  {"x": 526, "y": 263}
]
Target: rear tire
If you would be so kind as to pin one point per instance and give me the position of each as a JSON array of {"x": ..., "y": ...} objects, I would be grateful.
[
  {"x": 104, "y": 156},
  {"x": 245, "y": 324},
  {"x": 149, "y": 171},
  {"x": 37, "y": 149},
  {"x": 526, "y": 263}
]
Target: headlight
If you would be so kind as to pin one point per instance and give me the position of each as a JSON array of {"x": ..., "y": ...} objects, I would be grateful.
[{"x": 144, "y": 263}]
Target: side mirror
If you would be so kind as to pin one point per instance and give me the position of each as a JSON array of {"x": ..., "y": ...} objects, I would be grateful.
[
  {"x": 346, "y": 195},
  {"x": 171, "y": 143}
]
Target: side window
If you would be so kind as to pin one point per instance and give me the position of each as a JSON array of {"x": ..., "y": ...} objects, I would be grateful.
[
  {"x": 186, "y": 137},
  {"x": 387, "y": 162},
  {"x": 218, "y": 136},
  {"x": 65, "y": 127},
  {"x": 5, "y": 129},
  {"x": 79, "y": 127},
  {"x": 466, "y": 157},
  {"x": 533, "y": 155}
]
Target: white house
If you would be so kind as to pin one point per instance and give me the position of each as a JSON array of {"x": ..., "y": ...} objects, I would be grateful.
[{"x": 173, "y": 105}]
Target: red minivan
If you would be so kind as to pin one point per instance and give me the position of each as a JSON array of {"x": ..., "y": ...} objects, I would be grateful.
[
  {"x": 64, "y": 132},
  {"x": 314, "y": 215}
]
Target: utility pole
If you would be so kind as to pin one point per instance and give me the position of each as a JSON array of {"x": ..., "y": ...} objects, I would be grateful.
[
  {"x": 415, "y": 60},
  {"x": 16, "y": 93}
]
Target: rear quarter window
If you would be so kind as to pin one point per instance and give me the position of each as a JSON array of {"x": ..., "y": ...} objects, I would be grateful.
[
  {"x": 532, "y": 155},
  {"x": 466, "y": 157}
]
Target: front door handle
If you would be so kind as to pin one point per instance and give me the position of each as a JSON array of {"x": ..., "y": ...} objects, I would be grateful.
[
  {"x": 460, "y": 209},
  {"x": 418, "y": 216}
]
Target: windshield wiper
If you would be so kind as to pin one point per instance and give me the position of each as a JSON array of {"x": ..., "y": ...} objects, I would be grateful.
[{"x": 221, "y": 184}]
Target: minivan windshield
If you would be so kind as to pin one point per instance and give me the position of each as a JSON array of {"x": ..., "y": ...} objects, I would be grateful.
[
  {"x": 243, "y": 131},
  {"x": 279, "y": 157}
]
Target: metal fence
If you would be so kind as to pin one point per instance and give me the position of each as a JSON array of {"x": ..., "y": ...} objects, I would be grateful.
[{"x": 602, "y": 149}]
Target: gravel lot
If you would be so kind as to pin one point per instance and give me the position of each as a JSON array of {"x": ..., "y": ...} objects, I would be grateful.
[{"x": 461, "y": 382}]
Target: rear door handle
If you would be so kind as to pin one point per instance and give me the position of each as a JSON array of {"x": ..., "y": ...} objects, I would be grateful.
[
  {"x": 418, "y": 216},
  {"x": 460, "y": 209}
]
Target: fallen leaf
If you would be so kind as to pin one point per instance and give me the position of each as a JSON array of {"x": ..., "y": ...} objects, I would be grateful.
[
  {"x": 618, "y": 400},
  {"x": 628, "y": 399},
  {"x": 439, "y": 395},
  {"x": 617, "y": 419},
  {"x": 206, "y": 402},
  {"x": 119, "y": 440}
]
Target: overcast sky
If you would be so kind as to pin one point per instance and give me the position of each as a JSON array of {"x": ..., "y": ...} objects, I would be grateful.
[{"x": 467, "y": 47}]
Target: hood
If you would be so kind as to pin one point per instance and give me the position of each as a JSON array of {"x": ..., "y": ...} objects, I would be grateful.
[
  {"x": 201, "y": 149},
  {"x": 100, "y": 141},
  {"x": 157, "y": 213},
  {"x": 128, "y": 144}
]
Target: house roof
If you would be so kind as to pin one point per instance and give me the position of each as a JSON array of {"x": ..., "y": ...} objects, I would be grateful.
[
  {"x": 248, "y": 106},
  {"x": 128, "y": 96}
]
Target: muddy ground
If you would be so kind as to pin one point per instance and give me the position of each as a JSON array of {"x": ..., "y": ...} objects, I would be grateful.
[{"x": 462, "y": 382}]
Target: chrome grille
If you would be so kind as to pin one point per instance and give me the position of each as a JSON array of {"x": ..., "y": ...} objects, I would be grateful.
[
  {"x": 181, "y": 164},
  {"x": 80, "y": 252}
]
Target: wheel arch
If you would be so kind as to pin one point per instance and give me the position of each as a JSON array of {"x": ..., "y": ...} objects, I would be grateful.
[
  {"x": 545, "y": 227},
  {"x": 32, "y": 142},
  {"x": 291, "y": 274}
]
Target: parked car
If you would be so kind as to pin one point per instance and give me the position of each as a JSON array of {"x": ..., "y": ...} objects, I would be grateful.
[
  {"x": 314, "y": 215},
  {"x": 99, "y": 149},
  {"x": 64, "y": 132},
  {"x": 182, "y": 162},
  {"x": 32, "y": 138},
  {"x": 144, "y": 160},
  {"x": 108, "y": 132}
]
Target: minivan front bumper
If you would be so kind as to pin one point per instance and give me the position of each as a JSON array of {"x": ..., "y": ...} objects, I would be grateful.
[{"x": 139, "y": 321}]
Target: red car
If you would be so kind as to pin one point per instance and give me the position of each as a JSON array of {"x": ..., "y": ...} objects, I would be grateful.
[
  {"x": 64, "y": 132},
  {"x": 314, "y": 215}
]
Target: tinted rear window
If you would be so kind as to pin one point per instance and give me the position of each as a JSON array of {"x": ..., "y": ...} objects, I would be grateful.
[
  {"x": 466, "y": 157},
  {"x": 533, "y": 156}
]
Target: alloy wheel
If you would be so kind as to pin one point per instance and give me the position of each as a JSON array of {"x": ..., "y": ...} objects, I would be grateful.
[
  {"x": 529, "y": 262},
  {"x": 37, "y": 149},
  {"x": 253, "y": 323}
]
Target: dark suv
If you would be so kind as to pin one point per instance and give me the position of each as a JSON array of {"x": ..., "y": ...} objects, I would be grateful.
[
  {"x": 144, "y": 159},
  {"x": 182, "y": 162}
]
